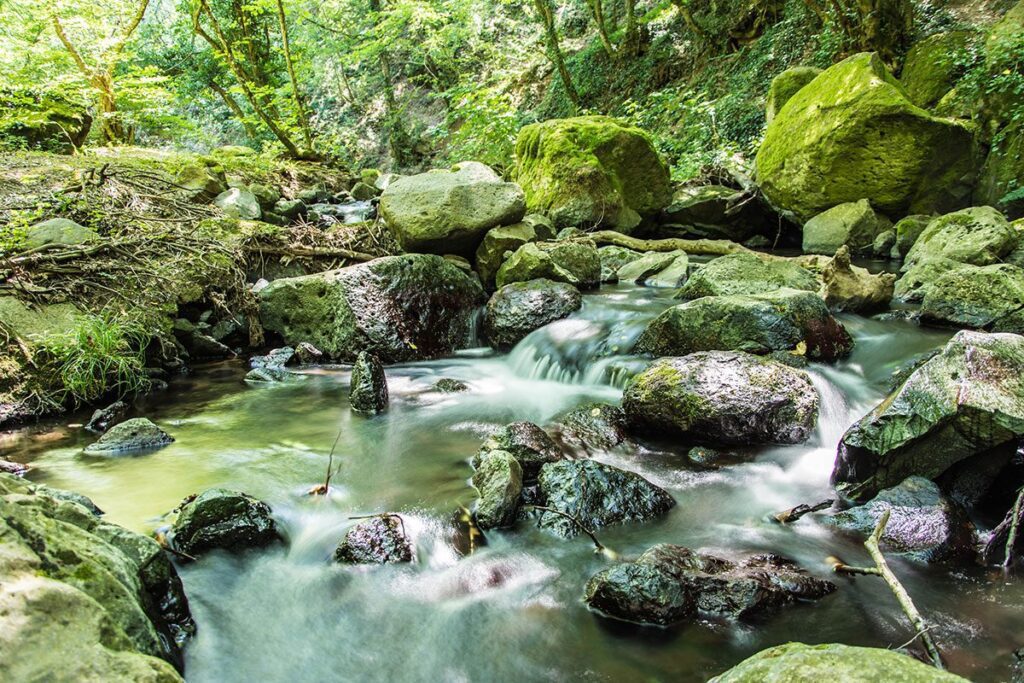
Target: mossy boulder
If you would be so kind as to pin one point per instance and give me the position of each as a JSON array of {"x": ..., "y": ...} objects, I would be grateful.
[
  {"x": 852, "y": 134},
  {"x": 381, "y": 539},
  {"x": 979, "y": 236},
  {"x": 399, "y": 308},
  {"x": 907, "y": 230},
  {"x": 575, "y": 262},
  {"x": 975, "y": 296},
  {"x": 613, "y": 258},
  {"x": 449, "y": 211},
  {"x": 746, "y": 273},
  {"x": 656, "y": 269},
  {"x": 368, "y": 392},
  {"x": 239, "y": 203},
  {"x": 785, "y": 85},
  {"x": 853, "y": 224},
  {"x": 491, "y": 253},
  {"x": 1002, "y": 177},
  {"x": 932, "y": 67},
  {"x": 220, "y": 519},
  {"x": 591, "y": 171},
  {"x": 723, "y": 397},
  {"x": 135, "y": 435},
  {"x": 43, "y": 121},
  {"x": 517, "y": 309},
  {"x": 58, "y": 231},
  {"x": 799, "y": 663},
  {"x": 202, "y": 182},
  {"x": 499, "y": 480},
  {"x": 783, "y": 320},
  {"x": 527, "y": 443},
  {"x": 964, "y": 401}
]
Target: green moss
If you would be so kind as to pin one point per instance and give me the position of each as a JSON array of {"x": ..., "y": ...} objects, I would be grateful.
[
  {"x": 787, "y": 84},
  {"x": 933, "y": 66}
]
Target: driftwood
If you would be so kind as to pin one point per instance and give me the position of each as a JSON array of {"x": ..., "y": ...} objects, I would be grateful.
[
  {"x": 882, "y": 569},
  {"x": 795, "y": 513},
  {"x": 1002, "y": 544}
]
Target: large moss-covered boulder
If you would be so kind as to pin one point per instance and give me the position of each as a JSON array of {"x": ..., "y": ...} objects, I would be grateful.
[
  {"x": 70, "y": 582},
  {"x": 746, "y": 273},
  {"x": 979, "y": 235},
  {"x": 975, "y": 296},
  {"x": 907, "y": 230},
  {"x": 853, "y": 225},
  {"x": 932, "y": 67},
  {"x": 575, "y": 262},
  {"x": 499, "y": 480},
  {"x": 723, "y": 397},
  {"x": 491, "y": 252},
  {"x": 1002, "y": 177},
  {"x": 785, "y": 85},
  {"x": 518, "y": 309},
  {"x": 58, "y": 231},
  {"x": 668, "y": 584},
  {"x": 965, "y": 401},
  {"x": 783, "y": 320},
  {"x": 398, "y": 308},
  {"x": 799, "y": 663},
  {"x": 852, "y": 134},
  {"x": 449, "y": 211},
  {"x": 43, "y": 121},
  {"x": 591, "y": 171},
  {"x": 225, "y": 520},
  {"x": 914, "y": 284},
  {"x": 596, "y": 495}
]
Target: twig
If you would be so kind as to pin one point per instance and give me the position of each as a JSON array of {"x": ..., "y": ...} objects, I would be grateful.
[
  {"x": 795, "y": 513},
  {"x": 324, "y": 488},
  {"x": 1011, "y": 540},
  {"x": 598, "y": 546}
]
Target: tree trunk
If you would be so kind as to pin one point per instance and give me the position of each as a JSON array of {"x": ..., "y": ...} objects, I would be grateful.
[
  {"x": 300, "y": 110},
  {"x": 113, "y": 129},
  {"x": 597, "y": 11},
  {"x": 235, "y": 108},
  {"x": 631, "y": 39},
  {"x": 547, "y": 15}
]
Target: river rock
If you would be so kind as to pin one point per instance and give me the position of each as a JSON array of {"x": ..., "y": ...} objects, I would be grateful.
[
  {"x": 239, "y": 203},
  {"x": 517, "y": 309},
  {"x": 225, "y": 520},
  {"x": 746, "y": 273},
  {"x": 783, "y": 320},
  {"x": 923, "y": 523},
  {"x": 597, "y": 495},
  {"x": 291, "y": 209},
  {"x": 799, "y": 663},
  {"x": 527, "y": 443},
  {"x": 58, "y": 231},
  {"x": 499, "y": 479},
  {"x": 448, "y": 385},
  {"x": 716, "y": 212},
  {"x": 914, "y": 284},
  {"x": 67, "y": 578},
  {"x": 15, "y": 468},
  {"x": 369, "y": 387},
  {"x": 491, "y": 252},
  {"x": 656, "y": 269},
  {"x": 854, "y": 125},
  {"x": 846, "y": 287},
  {"x": 613, "y": 258},
  {"x": 449, "y": 211},
  {"x": 669, "y": 584},
  {"x": 978, "y": 236},
  {"x": 381, "y": 539},
  {"x": 723, "y": 397},
  {"x": 104, "y": 418},
  {"x": 964, "y": 401},
  {"x": 978, "y": 297},
  {"x": 137, "y": 434},
  {"x": 907, "y": 230},
  {"x": 399, "y": 308},
  {"x": 574, "y": 262},
  {"x": 785, "y": 85},
  {"x": 853, "y": 225},
  {"x": 591, "y": 171},
  {"x": 594, "y": 427}
]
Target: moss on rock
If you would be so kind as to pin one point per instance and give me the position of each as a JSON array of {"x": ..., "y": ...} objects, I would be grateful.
[
  {"x": 785, "y": 85},
  {"x": 932, "y": 67}
]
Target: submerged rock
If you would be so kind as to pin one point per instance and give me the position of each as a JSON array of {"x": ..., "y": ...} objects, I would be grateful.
[
  {"x": 723, "y": 397},
  {"x": 597, "y": 495},
  {"x": 527, "y": 443},
  {"x": 746, "y": 273},
  {"x": 783, "y": 320},
  {"x": 964, "y": 401},
  {"x": 499, "y": 479},
  {"x": 137, "y": 434},
  {"x": 220, "y": 519},
  {"x": 923, "y": 524},
  {"x": 399, "y": 308},
  {"x": 574, "y": 262},
  {"x": 369, "y": 387},
  {"x": 669, "y": 584},
  {"x": 381, "y": 539},
  {"x": 594, "y": 427},
  {"x": 516, "y": 310},
  {"x": 799, "y": 663}
]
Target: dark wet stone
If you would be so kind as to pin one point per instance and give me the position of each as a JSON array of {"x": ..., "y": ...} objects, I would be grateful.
[
  {"x": 276, "y": 359},
  {"x": 104, "y": 418},
  {"x": 669, "y": 584},
  {"x": 381, "y": 539},
  {"x": 223, "y": 519},
  {"x": 499, "y": 479},
  {"x": 137, "y": 434},
  {"x": 447, "y": 385},
  {"x": 306, "y": 354},
  {"x": 597, "y": 495},
  {"x": 516, "y": 310},
  {"x": 529, "y": 445},
  {"x": 70, "y": 496},
  {"x": 703, "y": 456},
  {"x": 369, "y": 390},
  {"x": 594, "y": 427}
]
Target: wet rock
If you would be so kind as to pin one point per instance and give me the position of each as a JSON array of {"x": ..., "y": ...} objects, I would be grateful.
[
  {"x": 369, "y": 389},
  {"x": 746, "y": 273},
  {"x": 613, "y": 258},
  {"x": 702, "y": 456},
  {"x": 499, "y": 479},
  {"x": 976, "y": 296},
  {"x": 715, "y": 212},
  {"x": 656, "y": 269},
  {"x": 399, "y": 308},
  {"x": 58, "y": 231},
  {"x": 529, "y": 445},
  {"x": 220, "y": 519},
  {"x": 594, "y": 427},
  {"x": 199, "y": 344},
  {"x": 723, "y": 397},
  {"x": 449, "y": 211},
  {"x": 883, "y": 244},
  {"x": 447, "y": 385},
  {"x": 597, "y": 495},
  {"x": 785, "y": 85},
  {"x": 381, "y": 539},
  {"x": 574, "y": 262},
  {"x": 966, "y": 400},
  {"x": 853, "y": 225},
  {"x": 849, "y": 288},
  {"x": 15, "y": 468},
  {"x": 290, "y": 208},
  {"x": 239, "y": 203},
  {"x": 978, "y": 236},
  {"x": 505, "y": 239},
  {"x": 907, "y": 231},
  {"x": 271, "y": 367},
  {"x": 137, "y": 434},
  {"x": 669, "y": 584},
  {"x": 914, "y": 284},
  {"x": 104, "y": 418},
  {"x": 307, "y": 354},
  {"x": 362, "y": 192},
  {"x": 798, "y": 662},
  {"x": 924, "y": 524},
  {"x": 517, "y": 309},
  {"x": 783, "y": 320}
]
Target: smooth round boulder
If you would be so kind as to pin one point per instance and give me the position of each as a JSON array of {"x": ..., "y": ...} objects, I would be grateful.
[
  {"x": 853, "y": 225},
  {"x": 221, "y": 519},
  {"x": 239, "y": 203},
  {"x": 381, "y": 539},
  {"x": 368, "y": 392},
  {"x": 746, "y": 273},
  {"x": 137, "y": 434},
  {"x": 58, "y": 231},
  {"x": 575, "y": 262},
  {"x": 499, "y": 480},
  {"x": 517, "y": 309},
  {"x": 723, "y": 397}
]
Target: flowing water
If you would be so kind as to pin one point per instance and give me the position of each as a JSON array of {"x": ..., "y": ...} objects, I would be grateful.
[{"x": 513, "y": 610}]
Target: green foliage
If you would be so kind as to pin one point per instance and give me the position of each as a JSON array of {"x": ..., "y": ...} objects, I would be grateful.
[{"x": 482, "y": 124}]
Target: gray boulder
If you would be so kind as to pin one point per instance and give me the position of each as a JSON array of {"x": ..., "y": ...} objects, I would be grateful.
[
  {"x": 853, "y": 224},
  {"x": 594, "y": 427},
  {"x": 847, "y": 287},
  {"x": 499, "y": 480},
  {"x": 656, "y": 269},
  {"x": 517, "y": 309},
  {"x": 239, "y": 203},
  {"x": 746, "y": 273},
  {"x": 613, "y": 258},
  {"x": 976, "y": 296},
  {"x": 575, "y": 262},
  {"x": 979, "y": 236},
  {"x": 137, "y": 434},
  {"x": 220, "y": 519},
  {"x": 369, "y": 387},
  {"x": 381, "y": 539}
]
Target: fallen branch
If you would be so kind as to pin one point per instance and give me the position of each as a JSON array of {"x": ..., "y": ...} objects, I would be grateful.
[
  {"x": 882, "y": 569},
  {"x": 598, "y": 546},
  {"x": 793, "y": 514},
  {"x": 324, "y": 488},
  {"x": 999, "y": 549}
]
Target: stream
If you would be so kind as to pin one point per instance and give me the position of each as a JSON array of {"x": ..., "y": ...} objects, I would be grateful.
[{"x": 513, "y": 610}]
